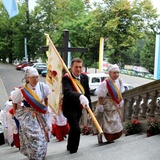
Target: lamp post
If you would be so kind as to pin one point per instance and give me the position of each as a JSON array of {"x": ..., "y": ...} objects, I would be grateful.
[{"x": 27, "y": 55}]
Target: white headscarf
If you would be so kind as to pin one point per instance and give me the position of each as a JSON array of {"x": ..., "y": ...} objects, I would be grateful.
[
  {"x": 30, "y": 71},
  {"x": 114, "y": 67}
]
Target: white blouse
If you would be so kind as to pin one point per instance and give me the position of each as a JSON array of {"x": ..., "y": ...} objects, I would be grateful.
[
  {"x": 102, "y": 89},
  {"x": 41, "y": 89}
]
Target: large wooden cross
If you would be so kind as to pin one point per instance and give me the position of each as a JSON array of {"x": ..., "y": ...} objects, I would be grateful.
[{"x": 65, "y": 49}]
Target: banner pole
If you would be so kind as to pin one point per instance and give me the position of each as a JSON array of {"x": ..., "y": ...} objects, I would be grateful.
[{"x": 76, "y": 87}]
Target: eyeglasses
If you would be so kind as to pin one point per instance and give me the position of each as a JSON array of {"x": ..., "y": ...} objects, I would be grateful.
[
  {"x": 115, "y": 72},
  {"x": 33, "y": 78}
]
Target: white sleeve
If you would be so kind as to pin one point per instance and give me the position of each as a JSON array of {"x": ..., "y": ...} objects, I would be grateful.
[
  {"x": 46, "y": 90},
  {"x": 122, "y": 89},
  {"x": 102, "y": 89},
  {"x": 16, "y": 96}
]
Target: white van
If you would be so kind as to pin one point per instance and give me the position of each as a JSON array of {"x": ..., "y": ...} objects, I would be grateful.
[{"x": 95, "y": 80}]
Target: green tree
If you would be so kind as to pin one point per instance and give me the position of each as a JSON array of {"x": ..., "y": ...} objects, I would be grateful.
[
  {"x": 147, "y": 54},
  {"x": 123, "y": 24}
]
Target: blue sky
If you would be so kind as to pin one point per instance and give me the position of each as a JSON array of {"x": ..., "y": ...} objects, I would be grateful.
[{"x": 32, "y": 3}]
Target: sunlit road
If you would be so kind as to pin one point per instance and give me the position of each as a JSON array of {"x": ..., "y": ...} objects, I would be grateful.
[{"x": 135, "y": 81}]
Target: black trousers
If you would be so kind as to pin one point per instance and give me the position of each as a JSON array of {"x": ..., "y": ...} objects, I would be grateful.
[
  {"x": 74, "y": 133},
  {"x": 2, "y": 141}
]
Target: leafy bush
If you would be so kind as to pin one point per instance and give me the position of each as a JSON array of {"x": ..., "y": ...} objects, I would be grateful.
[
  {"x": 133, "y": 127},
  {"x": 154, "y": 126}
]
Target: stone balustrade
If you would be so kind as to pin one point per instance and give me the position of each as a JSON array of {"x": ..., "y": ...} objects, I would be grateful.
[{"x": 142, "y": 102}]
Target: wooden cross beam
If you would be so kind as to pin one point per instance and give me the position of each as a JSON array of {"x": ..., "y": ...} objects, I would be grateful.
[{"x": 65, "y": 49}]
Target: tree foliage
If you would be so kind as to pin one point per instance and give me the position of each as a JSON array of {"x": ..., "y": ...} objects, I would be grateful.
[
  {"x": 124, "y": 24},
  {"x": 129, "y": 29}
]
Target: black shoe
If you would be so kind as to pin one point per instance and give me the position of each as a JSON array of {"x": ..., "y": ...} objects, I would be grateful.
[
  {"x": 12, "y": 144},
  {"x": 74, "y": 151},
  {"x": 68, "y": 148},
  {"x": 99, "y": 136},
  {"x": 108, "y": 142}
]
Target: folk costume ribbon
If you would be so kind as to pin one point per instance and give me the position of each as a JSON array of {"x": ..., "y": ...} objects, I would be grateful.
[
  {"x": 33, "y": 99},
  {"x": 114, "y": 91},
  {"x": 78, "y": 84}
]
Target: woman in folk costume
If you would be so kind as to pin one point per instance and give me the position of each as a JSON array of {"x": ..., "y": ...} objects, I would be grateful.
[
  {"x": 32, "y": 116},
  {"x": 61, "y": 123},
  {"x": 109, "y": 103}
]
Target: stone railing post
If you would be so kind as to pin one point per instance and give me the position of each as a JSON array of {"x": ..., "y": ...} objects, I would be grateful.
[
  {"x": 136, "y": 108},
  {"x": 128, "y": 103},
  {"x": 143, "y": 108},
  {"x": 151, "y": 107},
  {"x": 157, "y": 112}
]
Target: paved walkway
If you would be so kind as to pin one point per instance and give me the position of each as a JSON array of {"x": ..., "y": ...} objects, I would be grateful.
[
  {"x": 133, "y": 147},
  {"x": 3, "y": 94}
]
